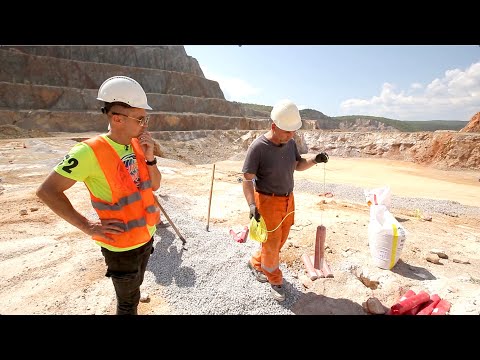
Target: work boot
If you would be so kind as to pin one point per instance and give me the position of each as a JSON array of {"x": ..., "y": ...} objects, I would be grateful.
[
  {"x": 278, "y": 292},
  {"x": 260, "y": 276}
]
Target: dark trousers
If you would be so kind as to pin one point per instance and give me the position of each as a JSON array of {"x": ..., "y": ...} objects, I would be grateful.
[{"x": 126, "y": 269}]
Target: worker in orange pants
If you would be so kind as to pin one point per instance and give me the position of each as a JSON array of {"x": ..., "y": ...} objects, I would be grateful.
[
  {"x": 268, "y": 185},
  {"x": 268, "y": 256}
]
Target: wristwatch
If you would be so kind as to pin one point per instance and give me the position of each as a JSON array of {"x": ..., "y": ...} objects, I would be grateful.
[{"x": 153, "y": 162}]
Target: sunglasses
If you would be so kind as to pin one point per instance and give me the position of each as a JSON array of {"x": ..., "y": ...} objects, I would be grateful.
[{"x": 142, "y": 121}]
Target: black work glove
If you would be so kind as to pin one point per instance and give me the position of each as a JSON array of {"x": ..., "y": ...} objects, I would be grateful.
[
  {"x": 254, "y": 212},
  {"x": 321, "y": 158}
]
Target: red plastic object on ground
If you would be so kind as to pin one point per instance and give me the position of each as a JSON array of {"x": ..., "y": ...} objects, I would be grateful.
[
  {"x": 317, "y": 266},
  {"x": 319, "y": 262},
  {"x": 428, "y": 307},
  {"x": 442, "y": 308},
  {"x": 240, "y": 237},
  {"x": 234, "y": 234},
  {"x": 421, "y": 306},
  {"x": 408, "y": 294},
  {"x": 404, "y": 305},
  {"x": 413, "y": 311},
  {"x": 243, "y": 235},
  {"x": 312, "y": 274}
]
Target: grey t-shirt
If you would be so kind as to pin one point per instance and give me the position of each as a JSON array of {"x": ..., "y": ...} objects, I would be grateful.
[{"x": 272, "y": 164}]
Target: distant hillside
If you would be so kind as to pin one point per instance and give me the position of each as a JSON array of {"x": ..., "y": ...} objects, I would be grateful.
[
  {"x": 310, "y": 114},
  {"x": 260, "y": 108},
  {"x": 409, "y": 126},
  {"x": 351, "y": 121}
]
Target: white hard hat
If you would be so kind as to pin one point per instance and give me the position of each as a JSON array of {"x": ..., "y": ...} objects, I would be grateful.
[
  {"x": 123, "y": 89},
  {"x": 286, "y": 116}
]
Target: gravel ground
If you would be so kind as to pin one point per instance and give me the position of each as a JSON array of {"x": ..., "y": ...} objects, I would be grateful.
[{"x": 187, "y": 276}]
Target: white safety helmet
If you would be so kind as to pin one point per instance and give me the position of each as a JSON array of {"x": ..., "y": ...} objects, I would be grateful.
[
  {"x": 286, "y": 116},
  {"x": 123, "y": 89}
]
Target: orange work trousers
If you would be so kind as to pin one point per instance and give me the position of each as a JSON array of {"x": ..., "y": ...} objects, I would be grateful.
[{"x": 273, "y": 209}]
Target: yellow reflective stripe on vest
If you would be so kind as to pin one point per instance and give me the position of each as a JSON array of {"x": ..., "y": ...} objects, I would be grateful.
[
  {"x": 144, "y": 185},
  {"x": 122, "y": 202},
  {"x": 151, "y": 209},
  {"x": 132, "y": 224}
]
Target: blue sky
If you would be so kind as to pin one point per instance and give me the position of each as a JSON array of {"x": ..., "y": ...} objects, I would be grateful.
[{"x": 402, "y": 82}]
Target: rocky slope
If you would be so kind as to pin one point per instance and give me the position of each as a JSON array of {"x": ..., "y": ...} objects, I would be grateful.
[{"x": 473, "y": 125}]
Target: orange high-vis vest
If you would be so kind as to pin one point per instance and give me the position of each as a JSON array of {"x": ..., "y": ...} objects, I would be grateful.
[{"x": 133, "y": 207}]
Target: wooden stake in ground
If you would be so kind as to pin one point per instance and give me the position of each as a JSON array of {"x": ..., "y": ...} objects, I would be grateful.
[{"x": 210, "y": 198}]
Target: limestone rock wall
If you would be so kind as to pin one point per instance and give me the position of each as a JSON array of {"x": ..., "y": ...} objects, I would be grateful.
[
  {"x": 28, "y": 69},
  {"x": 357, "y": 125},
  {"x": 170, "y": 58},
  {"x": 473, "y": 125},
  {"x": 440, "y": 149},
  {"x": 74, "y": 121},
  {"x": 57, "y": 98},
  {"x": 54, "y": 88}
]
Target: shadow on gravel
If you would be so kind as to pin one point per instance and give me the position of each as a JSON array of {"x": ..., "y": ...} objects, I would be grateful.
[
  {"x": 164, "y": 197},
  {"x": 292, "y": 294},
  {"x": 412, "y": 272},
  {"x": 165, "y": 262},
  {"x": 313, "y": 304}
]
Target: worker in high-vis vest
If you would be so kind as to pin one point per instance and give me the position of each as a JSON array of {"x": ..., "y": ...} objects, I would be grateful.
[{"x": 119, "y": 170}]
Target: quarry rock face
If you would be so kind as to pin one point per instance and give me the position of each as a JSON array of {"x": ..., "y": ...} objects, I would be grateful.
[
  {"x": 473, "y": 125},
  {"x": 170, "y": 58},
  {"x": 54, "y": 89},
  {"x": 440, "y": 149}
]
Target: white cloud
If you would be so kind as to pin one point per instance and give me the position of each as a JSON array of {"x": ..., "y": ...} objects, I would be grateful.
[
  {"x": 234, "y": 89},
  {"x": 456, "y": 96}
]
